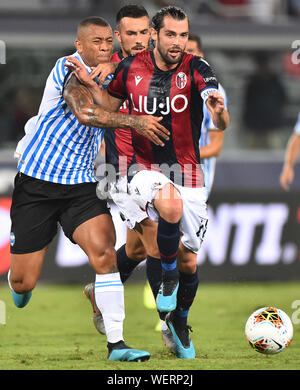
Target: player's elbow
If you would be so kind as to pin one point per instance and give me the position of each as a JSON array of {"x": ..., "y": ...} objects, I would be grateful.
[
  {"x": 218, "y": 151},
  {"x": 83, "y": 116}
]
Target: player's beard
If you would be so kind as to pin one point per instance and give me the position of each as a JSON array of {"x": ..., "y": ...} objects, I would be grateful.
[
  {"x": 132, "y": 50},
  {"x": 166, "y": 58}
]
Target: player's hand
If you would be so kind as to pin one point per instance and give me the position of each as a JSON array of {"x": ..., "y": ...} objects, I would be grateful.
[
  {"x": 80, "y": 71},
  {"x": 286, "y": 178},
  {"x": 149, "y": 127},
  {"x": 103, "y": 70},
  {"x": 215, "y": 103}
]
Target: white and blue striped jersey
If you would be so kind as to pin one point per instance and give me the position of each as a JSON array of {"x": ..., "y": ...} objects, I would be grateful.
[
  {"x": 209, "y": 164},
  {"x": 56, "y": 147},
  {"x": 297, "y": 125}
]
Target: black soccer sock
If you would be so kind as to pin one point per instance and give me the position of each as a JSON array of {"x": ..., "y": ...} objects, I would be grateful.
[
  {"x": 168, "y": 236},
  {"x": 153, "y": 272},
  {"x": 125, "y": 264},
  {"x": 188, "y": 285}
]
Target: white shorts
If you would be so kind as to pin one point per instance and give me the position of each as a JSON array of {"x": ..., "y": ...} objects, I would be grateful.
[
  {"x": 143, "y": 189},
  {"x": 128, "y": 208}
]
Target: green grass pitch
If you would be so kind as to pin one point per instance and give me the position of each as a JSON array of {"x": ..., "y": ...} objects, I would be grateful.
[{"x": 55, "y": 331}]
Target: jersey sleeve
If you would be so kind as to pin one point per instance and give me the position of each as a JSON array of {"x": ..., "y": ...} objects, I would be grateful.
[
  {"x": 204, "y": 77},
  {"x": 297, "y": 125},
  {"x": 59, "y": 73}
]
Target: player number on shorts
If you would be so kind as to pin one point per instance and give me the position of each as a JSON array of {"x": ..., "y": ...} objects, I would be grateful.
[{"x": 202, "y": 229}]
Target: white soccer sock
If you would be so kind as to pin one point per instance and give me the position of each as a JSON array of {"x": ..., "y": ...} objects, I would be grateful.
[
  {"x": 109, "y": 296},
  {"x": 8, "y": 281}
]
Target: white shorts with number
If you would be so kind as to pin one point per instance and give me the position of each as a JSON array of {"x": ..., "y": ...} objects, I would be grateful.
[
  {"x": 143, "y": 189},
  {"x": 128, "y": 208}
]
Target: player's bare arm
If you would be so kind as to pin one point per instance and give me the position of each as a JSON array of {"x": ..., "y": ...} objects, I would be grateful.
[
  {"x": 291, "y": 155},
  {"x": 100, "y": 96},
  {"x": 81, "y": 102},
  {"x": 214, "y": 148},
  {"x": 216, "y": 107}
]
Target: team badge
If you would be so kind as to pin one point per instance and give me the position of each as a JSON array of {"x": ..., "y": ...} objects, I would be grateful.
[
  {"x": 181, "y": 80},
  {"x": 12, "y": 239}
]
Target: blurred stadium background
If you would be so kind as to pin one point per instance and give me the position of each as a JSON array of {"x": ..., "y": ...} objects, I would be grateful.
[{"x": 254, "y": 225}]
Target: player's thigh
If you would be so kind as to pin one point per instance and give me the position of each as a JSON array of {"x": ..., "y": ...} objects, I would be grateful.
[
  {"x": 25, "y": 270},
  {"x": 96, "y": 236}
]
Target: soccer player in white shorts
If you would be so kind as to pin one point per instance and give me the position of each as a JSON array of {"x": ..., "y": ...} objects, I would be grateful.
[{"x": 163, "y": 81}]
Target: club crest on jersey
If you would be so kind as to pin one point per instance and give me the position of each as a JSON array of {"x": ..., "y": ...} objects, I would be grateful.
[
  {"x": 12, "y": 239},
  {"x": 181, "y": 80}
]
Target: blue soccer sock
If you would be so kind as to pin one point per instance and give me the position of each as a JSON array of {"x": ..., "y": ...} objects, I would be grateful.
[
  {"x": 125, "y": 264},
  {"x": 168, "y": 236},
  {"x": 188, "y": 285}
]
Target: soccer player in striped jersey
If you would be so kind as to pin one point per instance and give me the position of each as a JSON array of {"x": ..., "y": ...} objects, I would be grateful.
[
  {"x": 169, "y": 82},
  {"x": 56, "y": 183},
  {"x": 133, "y": 34},
  {"x": 211, "y": 139}
]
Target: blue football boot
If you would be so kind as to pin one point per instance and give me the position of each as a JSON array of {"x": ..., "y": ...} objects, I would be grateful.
[
  {"x": 122, "y": 353},
  {"x": 184, "y": 348},
  {"x": 20, "y": 300},
  {"x": 166, "y": 299}
]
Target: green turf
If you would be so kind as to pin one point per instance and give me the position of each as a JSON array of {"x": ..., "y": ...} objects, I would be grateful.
[{"x": 55, "y": 331}]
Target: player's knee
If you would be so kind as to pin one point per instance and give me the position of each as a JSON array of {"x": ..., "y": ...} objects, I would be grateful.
[
  {"x": 169, "y": 204},
  {"x": 104, "y": 259},
  {"x": 171, "y": 211}
]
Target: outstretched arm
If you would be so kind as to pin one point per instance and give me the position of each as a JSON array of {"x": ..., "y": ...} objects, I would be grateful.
[{"x": 80, "y": 101}]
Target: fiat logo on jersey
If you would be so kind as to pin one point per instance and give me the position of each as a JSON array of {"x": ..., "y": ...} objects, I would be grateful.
[{"x": 181, "y": 80}]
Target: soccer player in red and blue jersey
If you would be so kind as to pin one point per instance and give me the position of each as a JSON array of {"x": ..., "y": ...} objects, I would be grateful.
[{"x": 171, "y": 84}]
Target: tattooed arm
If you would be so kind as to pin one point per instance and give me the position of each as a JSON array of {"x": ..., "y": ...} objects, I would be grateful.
[{"x": 80, "y": 101}]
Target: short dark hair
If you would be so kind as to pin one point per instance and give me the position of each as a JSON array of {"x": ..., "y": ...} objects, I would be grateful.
[
  {"x": 175, "y": 13},
  {"x": 94, "y": 20},
  {"x": 196, "y": 38},
  {"x": 131, "y": 11}
]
